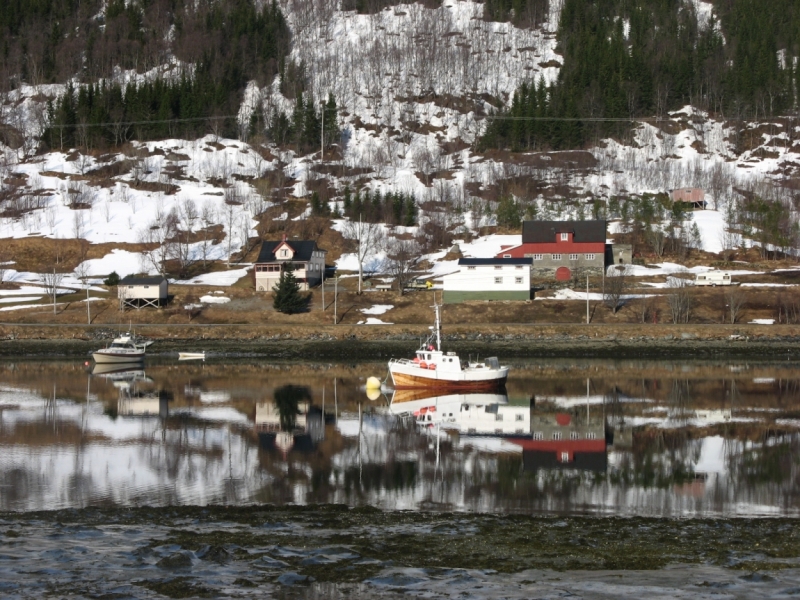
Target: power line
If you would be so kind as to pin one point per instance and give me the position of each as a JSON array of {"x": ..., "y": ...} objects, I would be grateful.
[{"x": 487, "y": 117}]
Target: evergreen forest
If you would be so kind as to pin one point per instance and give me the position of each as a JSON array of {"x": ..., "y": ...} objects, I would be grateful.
[{"x": 628, "y": 59}]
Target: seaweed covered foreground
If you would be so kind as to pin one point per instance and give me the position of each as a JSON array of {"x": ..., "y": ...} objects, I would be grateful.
[{"x": 335, "y": 551}]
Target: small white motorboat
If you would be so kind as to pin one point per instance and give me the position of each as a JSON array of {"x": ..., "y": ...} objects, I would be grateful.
[
  {"x": 123, "y": 349},
  {"x": 191, "y": 356}
]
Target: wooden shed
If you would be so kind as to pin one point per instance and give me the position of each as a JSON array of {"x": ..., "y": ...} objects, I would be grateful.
[{"x": 140, "y": 292}]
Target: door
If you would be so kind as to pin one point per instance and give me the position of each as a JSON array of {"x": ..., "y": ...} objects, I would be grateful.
[{"x": 563, "y": 274}]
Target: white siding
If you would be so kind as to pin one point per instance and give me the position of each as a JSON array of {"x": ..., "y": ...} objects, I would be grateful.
[
  {"x": 482, "y": 278},
  {"x": 143, "y": 292}
]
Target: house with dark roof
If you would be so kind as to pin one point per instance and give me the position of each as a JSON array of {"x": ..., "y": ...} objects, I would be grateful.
[
  {"x": 563, "y": 249},
  {"x": 305, "y": 258},
  {"x": 488, "y": 279},
  {"x": 139, "y": 292}
]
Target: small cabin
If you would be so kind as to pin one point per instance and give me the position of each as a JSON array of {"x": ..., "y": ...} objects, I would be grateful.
[
  {"x": 713, "y": 278},
  {"x": 140, "y": 292}
]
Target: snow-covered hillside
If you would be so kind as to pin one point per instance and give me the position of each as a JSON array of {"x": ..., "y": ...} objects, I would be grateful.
[{"x": 414, "y": 87}]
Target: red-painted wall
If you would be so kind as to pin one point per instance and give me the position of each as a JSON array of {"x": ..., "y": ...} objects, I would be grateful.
[{"x": 554, "y": 248}]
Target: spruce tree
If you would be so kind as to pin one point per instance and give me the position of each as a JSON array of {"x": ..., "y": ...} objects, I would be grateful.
[{"x": 287, "y": 298}]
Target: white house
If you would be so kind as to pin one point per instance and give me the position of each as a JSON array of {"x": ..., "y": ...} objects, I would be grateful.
[
  {"x": 489, "y": 279},
  {"x": 138, "y": 292},
  {"x": 306, "y": 260}
]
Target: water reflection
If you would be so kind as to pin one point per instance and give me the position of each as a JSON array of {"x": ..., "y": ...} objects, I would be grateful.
[{"x": 592, "y": 436}]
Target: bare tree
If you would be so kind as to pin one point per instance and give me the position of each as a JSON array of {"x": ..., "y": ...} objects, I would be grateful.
[
  {"x": 208, "y": 217},
  {"x": 658, "y": 240},
  {"x": 50, "y": 282},
  {"x": 735, "y": 299},
  {"x": 647, "y": 310},
  {"x": 615, "y": 286},
  {"x": 679, "y": 299},
  {"x": 369, "y": 238},
  {"x": 402, "y": 255}
]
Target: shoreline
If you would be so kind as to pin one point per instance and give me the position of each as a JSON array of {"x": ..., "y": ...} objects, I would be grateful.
[{"x": 292, "y": 342}]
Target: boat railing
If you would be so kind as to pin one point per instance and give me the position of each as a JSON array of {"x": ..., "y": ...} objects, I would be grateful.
[{"x": 403, "y": 361}]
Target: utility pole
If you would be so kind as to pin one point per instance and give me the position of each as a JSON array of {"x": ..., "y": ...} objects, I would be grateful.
[
  {"x": 323, "y": 287},
  {"x": 335, "y": 299},
  {"x": 88, "y": 310},
  {"x": 587, "y": 299},
  {"x": 322, "y": 138},
  {"x": 55, "y": 289}
]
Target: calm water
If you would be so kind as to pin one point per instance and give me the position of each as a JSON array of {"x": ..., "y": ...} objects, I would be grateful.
[{"x": 697, "y": 439}]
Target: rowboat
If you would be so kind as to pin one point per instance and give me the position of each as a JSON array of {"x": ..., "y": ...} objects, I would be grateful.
[{"x": 191, "y": 355}]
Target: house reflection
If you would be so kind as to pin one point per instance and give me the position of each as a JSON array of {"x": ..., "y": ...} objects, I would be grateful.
[
  {"x": 565, "y": 439},
  {"x": 289, "y": 422}
]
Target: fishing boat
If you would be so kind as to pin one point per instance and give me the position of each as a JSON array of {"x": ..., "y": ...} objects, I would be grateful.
[
  {"x": 123, "y": 349},
  {"x": 434, "y": 368}
]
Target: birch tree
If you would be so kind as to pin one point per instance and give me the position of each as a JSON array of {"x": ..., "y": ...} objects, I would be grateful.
[{"x": 370, "y": 240}]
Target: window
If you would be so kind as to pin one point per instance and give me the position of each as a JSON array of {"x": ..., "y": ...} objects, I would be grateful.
[
  {"x": 498, "y": 417},
  {"x": 517, "y": 279},
  {"x": 556, "y": 256},
  {"x": 498, "y": 268},
  {"x": 564, "y": 237},
  {"x": 506, "y": 256},
  {"x": 556, "y": 435},
  {"x": 590, "y": 257},
  {"x": 472, "y": 430},
  {"x": 470, "y": 268},
  {"x": 498, "y": 431},
  {"x": 573, "y": 435},
  {"x": 284, "y": 253},
  {"x": 565, "y": 457},
  {"x": 498, "y": 280},
  {"x": 537, "y": 435},
  {"x": 518, "y": 267},
  {"x": 520, "y": 418},
  {"x": 573, "y": 257},
  {"x": 538, "y": 256},
  {"x": 591, "y": 436},
  {"x": 519, "y": 432}
]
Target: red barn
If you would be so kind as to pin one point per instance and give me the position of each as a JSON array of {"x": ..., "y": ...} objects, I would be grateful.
[{"x": 561, "y": 248}]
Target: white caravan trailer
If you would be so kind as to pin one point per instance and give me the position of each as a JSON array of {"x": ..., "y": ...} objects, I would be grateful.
[{"x": 713, "y": 278}]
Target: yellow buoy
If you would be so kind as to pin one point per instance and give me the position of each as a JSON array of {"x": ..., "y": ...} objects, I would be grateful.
[
  {"x": 373, "y": 393},
  {"x": 373, "y": 383}
]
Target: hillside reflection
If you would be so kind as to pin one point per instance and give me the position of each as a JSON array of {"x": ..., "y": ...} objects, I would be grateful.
[{"x": 606, "y": 437}]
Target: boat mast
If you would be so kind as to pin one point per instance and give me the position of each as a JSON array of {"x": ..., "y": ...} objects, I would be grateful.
[{"x": 437, "y": 327}]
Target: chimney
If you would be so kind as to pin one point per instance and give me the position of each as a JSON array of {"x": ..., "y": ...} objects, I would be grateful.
[{"x": 284, "y": 237}]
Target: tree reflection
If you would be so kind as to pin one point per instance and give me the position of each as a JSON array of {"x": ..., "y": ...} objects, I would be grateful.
[{"x": 287, "y": 401}]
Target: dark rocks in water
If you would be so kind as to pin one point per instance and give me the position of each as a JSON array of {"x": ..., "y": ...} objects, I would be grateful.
[{"x": 178, "y": 560}]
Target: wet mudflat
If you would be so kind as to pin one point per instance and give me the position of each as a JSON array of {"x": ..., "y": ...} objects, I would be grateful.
[
  {"x": 331, "y": 551},
  {"x": 597, "y": 479}
]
